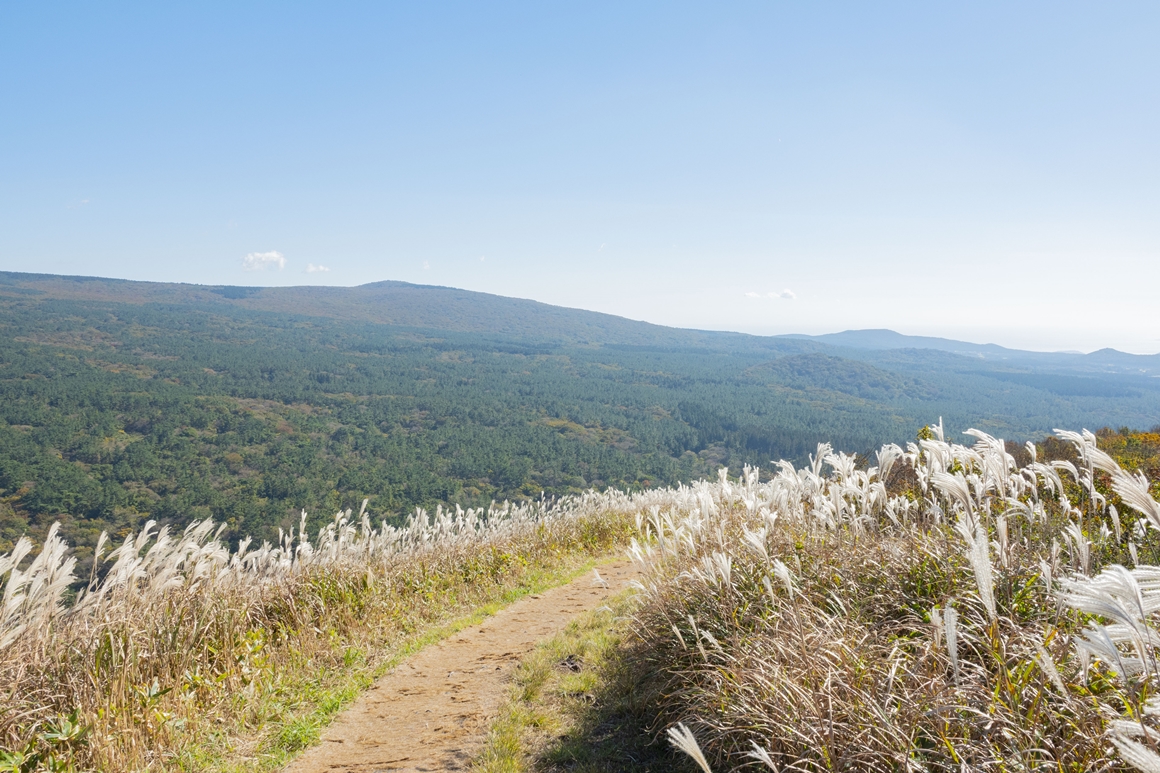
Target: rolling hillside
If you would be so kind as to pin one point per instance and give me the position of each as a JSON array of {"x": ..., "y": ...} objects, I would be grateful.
[{"x": 124, "y": 401}]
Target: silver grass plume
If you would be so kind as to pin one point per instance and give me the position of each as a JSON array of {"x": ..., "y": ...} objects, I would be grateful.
[
  {"x": 1128, "y": 598},
  {"x": 936, "y": 620},
  {"x": 761, "y": 755},
  {"x": 1048, "y": 666},
  {"x": 1133, "y": 489},
  {"x": 1137, "y": 754},
  {"x": 951, "y": 623},
  {"x": 979, "y": 554},
  {"x": 769, "y": 589},
  {"x": 783, "y": 574},
  {"x": 887, "y": 456},
  {"x": 683, "y": 738}
]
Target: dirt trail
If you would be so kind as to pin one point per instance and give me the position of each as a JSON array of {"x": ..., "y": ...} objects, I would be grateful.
[{"x": 431, "y": 712}]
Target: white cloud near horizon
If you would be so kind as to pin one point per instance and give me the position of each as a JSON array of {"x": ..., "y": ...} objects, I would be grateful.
[
  {"x": 787, "y": 294},
  {"x": 313, "y": 269},
  {"x": 260, "y": 261}
]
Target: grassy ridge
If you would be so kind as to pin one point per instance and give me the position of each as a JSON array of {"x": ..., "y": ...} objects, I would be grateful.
[
  {"x": 949, "y": 608},
  {"x": 945, "y": 609},
  {"x": 185, "y": 655}
]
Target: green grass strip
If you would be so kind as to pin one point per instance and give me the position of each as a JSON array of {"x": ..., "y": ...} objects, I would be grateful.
[
  {"x": 575, "y": 705},
  {"x": 319, "y": 700}
]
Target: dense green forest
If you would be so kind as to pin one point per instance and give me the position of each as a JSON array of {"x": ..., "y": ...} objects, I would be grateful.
[{"x": 121, "y": 406}]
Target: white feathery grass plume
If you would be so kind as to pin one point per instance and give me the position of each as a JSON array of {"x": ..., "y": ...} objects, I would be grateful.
[
  {"x": 1063, "y": 465},
  {"x": 1048, "y": 666},
  {"x": 707, "y": 636},
  {"x": 1128, "y": 598},
  {"x": 761, "y": 755},
  {"x": 769, "y": 589},
  {"x": 783, "y": 574},
  {"x": 598, "y": 580},
  {"x": 1134, "y": 728},
  {"x": 887, "y": 456},
  {"x": 996, "y": 462},
  {"x": 844, "y": 466},
  {"x": 1118, "y": 530},
  {"x": 955, "y": 488},
  {"x": 756, "y": 540},
  {"x": 1050, "y": 476},
  {"x": 682, "y": 738},
  {"x": 1134, "y": 490},
  {"x": 721, "y": 564},
  {"x": 816, "y": 461},
  {"x": 723, "y": 484},
  {"x": 951, "y": 624},
  {"x": 1047, "y": 573},
  {"x": 1003, "y": 545},
  {"x": 979, "y": 554},
  {"x": 1081, "y": 547},
  {"x": 697, "y": 638},
  {"x": 1136, "y": 754},
  {"x": 935, "y": 457},
  {"x": 1097, "y": 642},
  {"x": 1086, "y": 445}
]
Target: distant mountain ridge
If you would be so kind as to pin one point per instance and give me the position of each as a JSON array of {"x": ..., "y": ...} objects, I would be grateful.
[
  {"x": 387, "y": 302},
  {"x": 885, "y": 340},
  {"x": 434, "y": 307},
  {"x": 888, "y": 339}
]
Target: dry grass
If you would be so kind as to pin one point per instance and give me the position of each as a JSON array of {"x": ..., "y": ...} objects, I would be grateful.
[
  {"x": 821, "y": 621},
  {"x": 944, "y": 609},
  {"x": 182, "y": 654}
]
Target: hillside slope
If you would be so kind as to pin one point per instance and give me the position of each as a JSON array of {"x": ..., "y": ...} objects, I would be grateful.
[
  {"x": 123, "y": 401},
  {"x": 387, "y": 303}
]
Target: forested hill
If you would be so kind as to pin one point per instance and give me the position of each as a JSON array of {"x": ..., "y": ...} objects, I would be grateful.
[
  {"x": 121, "y": 401},
  {"x": 387, "y": 303}
]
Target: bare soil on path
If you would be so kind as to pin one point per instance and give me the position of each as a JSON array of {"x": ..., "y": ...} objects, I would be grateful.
[{"x": 432, "y": 711}]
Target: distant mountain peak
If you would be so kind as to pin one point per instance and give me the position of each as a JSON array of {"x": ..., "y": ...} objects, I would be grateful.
[{"x": 883, "y": 338}]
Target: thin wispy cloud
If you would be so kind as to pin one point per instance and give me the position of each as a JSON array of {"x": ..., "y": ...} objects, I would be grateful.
[
  {"x": 313, "y": 269},
  {"x": 260, "y": 261},
  {"x": 787, "y": 295}
]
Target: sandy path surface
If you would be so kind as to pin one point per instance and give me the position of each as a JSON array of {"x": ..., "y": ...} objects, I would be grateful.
[{"x": 432, "y": 712}]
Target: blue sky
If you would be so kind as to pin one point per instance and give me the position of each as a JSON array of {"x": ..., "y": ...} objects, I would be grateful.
[{"x": 987, "y": 171}]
